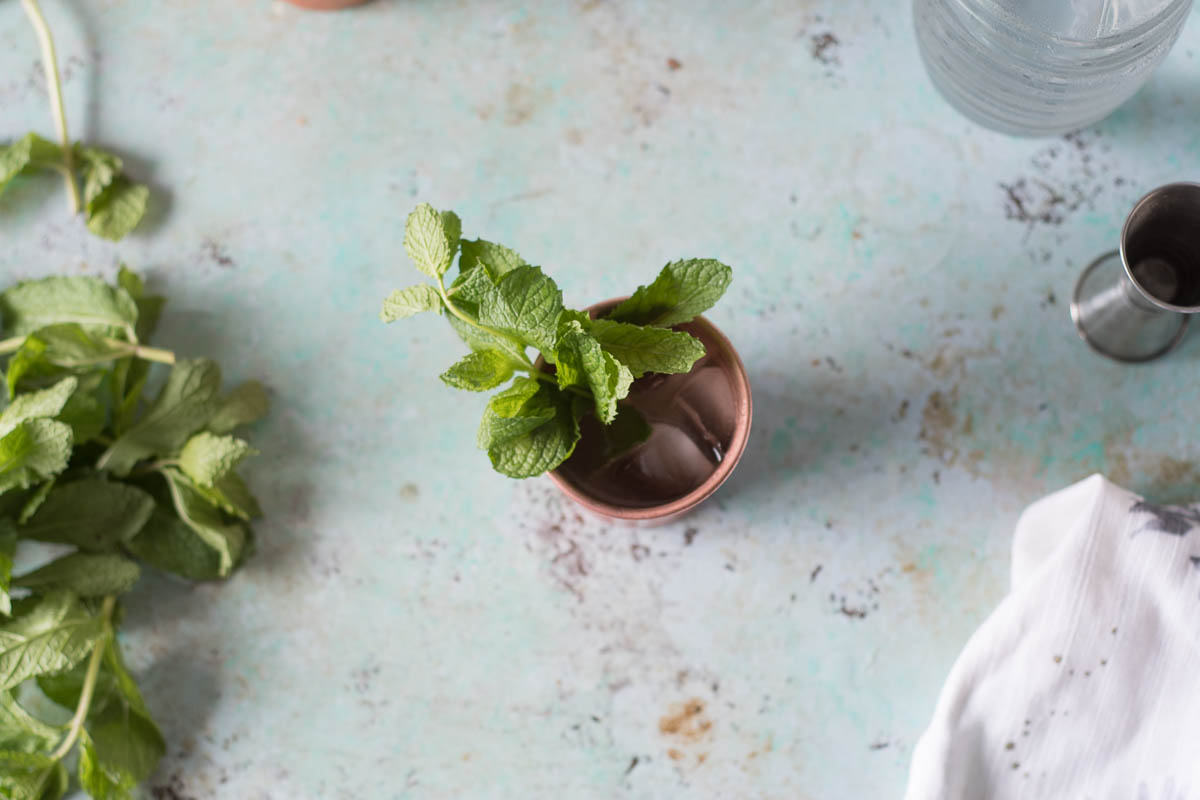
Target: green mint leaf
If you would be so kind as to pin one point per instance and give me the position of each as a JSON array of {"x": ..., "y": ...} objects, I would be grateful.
[
  {"x": 496, "y": 259},
  {"x": 479, "y": 340},
  {"x": 227, "y": 540},
  {"x": 85, "y": 574},
  {"x": 93, "y": 514},
  {"x": 247, "y": 403},
  {"x": 452, "y": 226},
  {"x": 98, "y": 782},
  {"x": 52, "y": 635},
  {"x": 55, "y": 348},
  {"x": 185, "y": 404},
  {"x": 543, "y": 447},
  {"x": 85, "y": 414},
  {"x": 582, "y": 362},
  {"x": 569, "y": 315},
  {"x": 513, "y": 413},
  {"x": 479, "y": 371},
  {"x": 168, "y": 544},
  {"x": 681, "y": 291},
  {"x": 35, "y": 501},
  {"x": 118, "y": 208},
  {"x": 149, "y": 306},
  {"x": 427, "y": 242},
  {"x": 206, "y": 458},
  {"x": 30, "y": 150},
  {"x": 404, "y": 303},
  {"x": 90, "y": 302},
  {"x": 27, "y": 361},
  {"x": 525, "y": 304},
  {"x": 22, "y": 732},
  {"x": 31, "y": 776},
  {"x": 647, "y": 349},
  {"x": 469, "y": 289},
  {"x": 37, "y": 405},
  {"x": 126, "y": 744},
  {"x": 8, "y": 549},
  {"x": 98, "y": 170},
  {"x": 36, "y": 450},
  {"x": 125, "y": 384},
  {"x": 230, "y": 494}
]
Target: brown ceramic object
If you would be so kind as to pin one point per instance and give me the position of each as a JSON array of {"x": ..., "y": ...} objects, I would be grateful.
[
  {"x": 326, "y": 5},
  {"x": 721, "y": 354}
]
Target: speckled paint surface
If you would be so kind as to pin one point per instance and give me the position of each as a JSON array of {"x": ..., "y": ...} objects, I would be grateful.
[{"x": 415, "y": 626}]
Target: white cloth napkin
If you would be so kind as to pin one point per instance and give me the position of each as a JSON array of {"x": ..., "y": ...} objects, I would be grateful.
[{"x": 1085, "y": 681}]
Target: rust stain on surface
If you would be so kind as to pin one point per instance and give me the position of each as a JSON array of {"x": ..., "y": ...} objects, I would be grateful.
[{"x": 687, "y": 721}]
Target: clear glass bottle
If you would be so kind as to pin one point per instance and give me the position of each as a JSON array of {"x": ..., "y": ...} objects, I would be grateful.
[{"x": 1039, "y": 67}]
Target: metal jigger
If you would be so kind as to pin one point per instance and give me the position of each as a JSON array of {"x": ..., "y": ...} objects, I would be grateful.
[{"x": 1133, "y": 304}]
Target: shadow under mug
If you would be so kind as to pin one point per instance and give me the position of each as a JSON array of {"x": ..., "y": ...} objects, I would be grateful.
[{"x": 1133, "y": 304}]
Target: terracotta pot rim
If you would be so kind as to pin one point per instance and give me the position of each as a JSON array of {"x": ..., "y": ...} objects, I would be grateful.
[{"x": 740, "y": 383}]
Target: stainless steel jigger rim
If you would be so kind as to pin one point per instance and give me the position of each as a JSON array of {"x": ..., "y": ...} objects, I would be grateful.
[
  {"x": 1184, "y": 318},
  {"x": 1146, "y": 295}
]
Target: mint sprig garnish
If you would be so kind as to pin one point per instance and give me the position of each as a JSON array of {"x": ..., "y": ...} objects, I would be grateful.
[
  {"x": 120, "y": 483},
  {"x": 501, "y": 306},
  {"x": 111, "y": 203}
]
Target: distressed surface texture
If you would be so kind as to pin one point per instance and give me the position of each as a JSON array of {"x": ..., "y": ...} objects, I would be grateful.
[{"x": 415, "y": 626}]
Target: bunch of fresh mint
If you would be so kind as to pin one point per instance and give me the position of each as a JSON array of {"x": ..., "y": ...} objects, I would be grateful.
[
  {"x": 88, "y": 464},
  {"x": 501, "y": 306},
  {"x": 111, "y": 204}
]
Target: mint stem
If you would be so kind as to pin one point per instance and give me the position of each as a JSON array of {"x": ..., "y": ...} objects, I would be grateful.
[
  {"x": 89, "y": 682},
  {"x": 54, "y": 87},
  {"x": 453, "y": 309}
]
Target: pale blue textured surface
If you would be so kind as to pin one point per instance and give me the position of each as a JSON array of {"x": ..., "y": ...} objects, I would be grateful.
[{"x": 416, "y": 626}]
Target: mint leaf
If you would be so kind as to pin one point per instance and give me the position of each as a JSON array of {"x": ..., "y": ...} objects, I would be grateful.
[
  {"x": 90, "y": 302},
  {"x": 230, "y": 494},
  {"x": 227, "y": 540},
  {"x": 53, "y": 635},
  {"x": 647, "y": 349},
  {"x": 543, "y": 447},
  {"x": 681, "y": 291},
  {"x": 36, "y": 500},
  {"x": 479, "y": 371},
  {"x": 404, "y": 303},
  {"x": 55, "y": 348},
  {"x": 187, "y": 401},
  {"x": 169, "y": 544},
  {"x": 118, "y": 209},
  {"x": 98, "y": 782},
  {"x": 149, "y": 306},
  {"x": 582, "y": 362},
  {"x": 123, "y": 745},
  {"x": 22, "y": 732},
  {"x": 93, "y": 514},
  {"x": 35, "y": 450},
  {"x": 452, "y": 226},
  {"x": 8, "y": 549},
  {"x": 525, "y": 304},
  {"x": 469, "y": 289},
  {"x": 513, "y": 413},
  {"x": 31, "y": 776},
  {"x": 98, "y": 170},
  {"x": 479, "y": 340},
  {"x": 37, "y": 405},
  {"x": 247, "y": 403},
  {"x": 497, "y": 260},
  {"x": 206, "y": 458},
  {"x": 85, "y": 414},
  {"x": 427, "y": 241},
  {"x": 85, "y": 574},
  {"x": 30, "y": 150}
]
